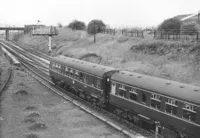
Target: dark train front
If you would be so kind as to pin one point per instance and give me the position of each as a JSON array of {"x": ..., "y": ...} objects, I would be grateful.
[{"x": 170, "y": 108}]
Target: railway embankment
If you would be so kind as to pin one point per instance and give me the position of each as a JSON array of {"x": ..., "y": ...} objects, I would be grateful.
[{"x": 174, "y": 60}]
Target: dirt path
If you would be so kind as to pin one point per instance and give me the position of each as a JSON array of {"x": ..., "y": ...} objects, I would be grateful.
[{"x": 30, "y": 110}]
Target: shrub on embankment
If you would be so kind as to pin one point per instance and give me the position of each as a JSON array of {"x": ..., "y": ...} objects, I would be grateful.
[{"x": 174, "y": 50}]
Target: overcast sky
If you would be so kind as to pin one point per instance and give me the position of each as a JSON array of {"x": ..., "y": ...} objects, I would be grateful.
[{"x": 135, "y": 13}]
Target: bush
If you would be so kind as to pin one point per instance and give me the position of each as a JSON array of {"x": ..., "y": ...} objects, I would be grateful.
[
  {"x": 95, "y": 26},
  {"x": 60, "y": 25},
  {"x": 171, "y": 25},
  {"x": 188, "y": 29},
  {"x": 77, "y": 25}
]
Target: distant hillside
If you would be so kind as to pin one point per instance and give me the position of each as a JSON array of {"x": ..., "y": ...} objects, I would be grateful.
[{"x": 173, "y": 60}]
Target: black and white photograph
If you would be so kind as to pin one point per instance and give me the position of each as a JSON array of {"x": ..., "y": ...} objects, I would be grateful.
[{"x": 99, "y": 69}]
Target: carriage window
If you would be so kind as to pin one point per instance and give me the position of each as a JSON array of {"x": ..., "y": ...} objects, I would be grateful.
[
  {"x": 144, "y": 97},
  {"x": 63, "y": 69},
  {"x": 189, "y": 112},
  {"x": 98, "y": 83},
  {"x": 121, "y": 86},
  {"x": 133, "y": 94},
  {"x": 81, "y": 76},
  {"x": 66, "y": 71},
  {"x": 171, "y": 106},
  {"x": 70, "y": 72},
  {"x": 58, "y": 66},
  {"x": 89, "y": 80},
  {"x": 122, "y": 93},
  {"x": 76, "y": 72},
  {"x": 155, "y": 101}
]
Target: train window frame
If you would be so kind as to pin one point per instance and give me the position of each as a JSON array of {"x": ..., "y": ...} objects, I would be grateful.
[
  {"x": 58, "y": 65},
  {"x": 156, "y": 97},
  {"x": 122, "y": 93},
  {"x": 169, "y": 102},
  {"x": 133, "y": 94},
  {"x": 98, "y": 81},
  {"x": 133, "y": 90},
  {"x": 144, "y": 96},
  {"x": 76, "y": 72},
  {"x": 171, "y": 106},
  {"x": 189, "y": 112},
  {"x": 121, "y": 87},
  {"x": 155, "y": 100},
  {"x": 191, "y": 107}
]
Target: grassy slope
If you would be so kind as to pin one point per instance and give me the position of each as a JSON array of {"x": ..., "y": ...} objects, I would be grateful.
[{"x": 171, "y": 60}]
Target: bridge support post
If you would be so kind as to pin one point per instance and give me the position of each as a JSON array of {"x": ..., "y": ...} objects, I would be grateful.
[
  {"x": 7, "y": 34},
  {"x": 49, "y": 45}
]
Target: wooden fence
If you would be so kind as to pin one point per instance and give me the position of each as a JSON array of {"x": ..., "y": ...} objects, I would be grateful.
[
  {"x": 131, "y": 33},
  {"x": 177, "y": 36}
]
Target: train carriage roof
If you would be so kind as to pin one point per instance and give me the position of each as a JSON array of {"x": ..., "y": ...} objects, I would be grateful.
[
  {"x": 165, "y": 87},
  {"x": 88, "y": 67}
]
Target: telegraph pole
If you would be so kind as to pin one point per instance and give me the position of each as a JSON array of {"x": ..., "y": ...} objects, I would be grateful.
[{"x": 94, "y": 32}]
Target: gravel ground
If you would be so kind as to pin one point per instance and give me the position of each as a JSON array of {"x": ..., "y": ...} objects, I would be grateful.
[{"x": 30, "y": 110}]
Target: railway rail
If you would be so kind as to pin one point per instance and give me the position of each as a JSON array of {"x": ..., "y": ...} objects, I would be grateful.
[
  {"x": 7, "y": 80},
  {"x": 33, "y": 69}
]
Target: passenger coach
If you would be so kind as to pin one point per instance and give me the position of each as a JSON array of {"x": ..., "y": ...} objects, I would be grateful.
[
  {"x": 157, "y": 101},
  {"x": 88, "y": 80}
]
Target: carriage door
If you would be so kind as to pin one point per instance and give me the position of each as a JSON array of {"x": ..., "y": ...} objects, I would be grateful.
[{"x": 113, "y": 88}]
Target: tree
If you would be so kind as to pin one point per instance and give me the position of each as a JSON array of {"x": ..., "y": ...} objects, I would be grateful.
[
  {"x": 171, "y": 25},
  {"x": 77, "y": 25},
  {"x": 94, "y": 27},
  {"x": 60, "y": 25}
]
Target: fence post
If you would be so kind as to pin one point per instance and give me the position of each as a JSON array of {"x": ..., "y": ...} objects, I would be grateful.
[
  {"x": 142, "y": 35},
  {"x": 197, "y": 36}
]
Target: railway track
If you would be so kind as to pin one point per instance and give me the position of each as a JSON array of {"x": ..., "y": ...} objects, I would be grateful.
[
  {"x": 7, "y": 80},
  {"x": 105, "y": 116}
]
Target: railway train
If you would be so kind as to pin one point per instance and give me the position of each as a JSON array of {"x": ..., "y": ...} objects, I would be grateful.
[{"x": 170, "y": 108}]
